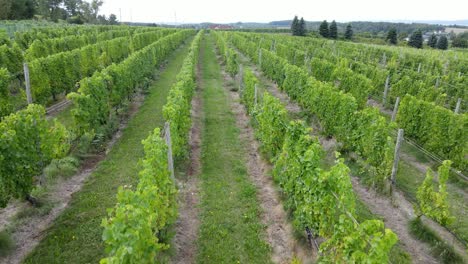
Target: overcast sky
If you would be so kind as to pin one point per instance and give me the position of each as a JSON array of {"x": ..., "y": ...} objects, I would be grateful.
[{"x": 185, "y": 11}]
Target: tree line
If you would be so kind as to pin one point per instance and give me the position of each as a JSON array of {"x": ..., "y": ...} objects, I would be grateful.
[
  {"x": 298, "y": 28},
  {"x": 73, "y": 11},
  {"x": 416, "y": 39}
]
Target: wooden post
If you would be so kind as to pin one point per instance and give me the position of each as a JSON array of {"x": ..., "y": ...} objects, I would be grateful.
[
  {"x": 459, "y": 74},
  {"x": 445, "y": 67},
  {"x": 387, "y": 81},
  {"x": 437, "y": 82},
  {"x": 28, "y": 84},
  {"x": 273, "y": 45},
  {"x": 260, "y": 58},
  {"x": 395, "y": 109},
  {"x": 167, "y": 137},
  {"x": 397, "y": 155},
  {"x": 457, "y": 108},
  {"x": 256, "y": 96},
  {"x": 241, "y": 78},
  {"x": 384, "y": 59},
  {"x": 419, "y": 68}
]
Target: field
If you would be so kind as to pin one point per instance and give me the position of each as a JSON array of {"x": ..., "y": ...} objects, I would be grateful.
[{"x": 164, "y": 145}]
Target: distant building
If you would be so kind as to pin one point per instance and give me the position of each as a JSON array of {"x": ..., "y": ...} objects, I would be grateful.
[{"x": 221, "y": 27}]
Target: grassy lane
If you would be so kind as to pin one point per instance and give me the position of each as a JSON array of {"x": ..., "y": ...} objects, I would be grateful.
[
  {"x": 75, "y": 236},
  {"x": 230, "y": 230}
]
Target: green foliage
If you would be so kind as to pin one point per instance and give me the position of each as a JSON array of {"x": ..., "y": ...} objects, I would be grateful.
[
  {"x": 302, "y": 27},
  {"x": 59, "y": 73},
  {"x": 27, "y": 144},
  {"x": 248, "y": 91},
  {"x": 442, "y": 43},
  {"x": 11, "y": 58},
  {"x": 272, "y": 118},
  {"x": 5, "y": 104},
  {"x": 333, "y": 31},
  {"x": 134, "y": 230},
  {"x": 232, "y": 66},
  {"x": 437, "y": 129},
  {"x": 368, "y": 242},
  {"x": 460, "y": 41},
  {"x": 432, "y": 203},
  {"x": 432, "y": 42},
  {"x": 416, "y": 40},
  {"x": 309, "y": 190},
  {"x": 298, "y": 27},
  {"x": 356, "y": 84},
  {"x": 178, "y": 106},
  {"x": 295, "y": 26},
  {"x": 392, "y": 36},
  {"x": 323, "y": 29},
  {"x": 107, "y": 90},
  {"x": 349, "y": 32}
]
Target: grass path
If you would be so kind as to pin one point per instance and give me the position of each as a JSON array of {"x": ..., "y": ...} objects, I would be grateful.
[
  {"x": 230, "y": 230},
  {"x": 75, "y": 236}
]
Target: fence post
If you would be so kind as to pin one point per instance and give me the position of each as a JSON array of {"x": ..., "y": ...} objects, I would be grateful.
[
  {"x": 260, "y": 58},
  {"x": 457, "y": 108},
  {"x": 256, "y": 96},
  {"x": 241, "y": 78},
  {"x": 419, "y": 68},
  {"x": 167, "y": 137},
  {"x": 437, "y": 82},
  {"x": 395, "y": 109},
  {"x": 387, "y": 81},
  {"x": 397, "y": 155},
  {"x": 27, "y": 82}
]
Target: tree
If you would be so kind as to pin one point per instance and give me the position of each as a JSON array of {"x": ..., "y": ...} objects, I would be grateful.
[
  {"x": 349, "y": 32},
  {"x": 442, "y": 43},
  {"x": 416, "y": 39},
  {"x": 432, "y": 42},
  {"x": 302, "y": 27},
  {"x": 5, "y": 8},
  {"x": 113, "y": 19},
  {"x": 323, "y": 29},
  {"x": 461, "y": 40},
  {"x": 392, "y": 36},
  {"x": 333, "y": 32},
  {"x": 295, "y": 26}
]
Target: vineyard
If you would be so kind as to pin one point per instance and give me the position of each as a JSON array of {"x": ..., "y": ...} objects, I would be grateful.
[{"x": 132, "y": 144}]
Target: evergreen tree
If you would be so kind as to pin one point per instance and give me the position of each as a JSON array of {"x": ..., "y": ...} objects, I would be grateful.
[
  {"x": 302, "y": 27},
  {"x": 333, "y": 32},
  {"x": 432, "y": 42},
  {"x": 349, "y": 32},
  {"x": 392, "y": 36},
  {"x": 323, "y": 29},
  {"x": 416, "y": 39},
  {"x": 442, "y": 43},
  {"x": 295, "y": 26}
]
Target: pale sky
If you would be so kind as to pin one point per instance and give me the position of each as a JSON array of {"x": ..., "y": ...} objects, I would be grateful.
[{"x": 185, "y": 11}]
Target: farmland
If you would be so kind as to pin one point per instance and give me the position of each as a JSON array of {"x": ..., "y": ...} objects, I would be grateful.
[{"x": 130, "y": 144}]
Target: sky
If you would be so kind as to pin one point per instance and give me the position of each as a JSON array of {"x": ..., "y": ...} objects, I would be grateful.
[{"x": 196, "y": 11}]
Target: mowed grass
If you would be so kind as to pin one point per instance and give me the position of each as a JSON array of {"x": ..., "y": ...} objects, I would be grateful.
[
  {"x": 75, "y": 236},
  {"x": 230, "y": 230}
]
